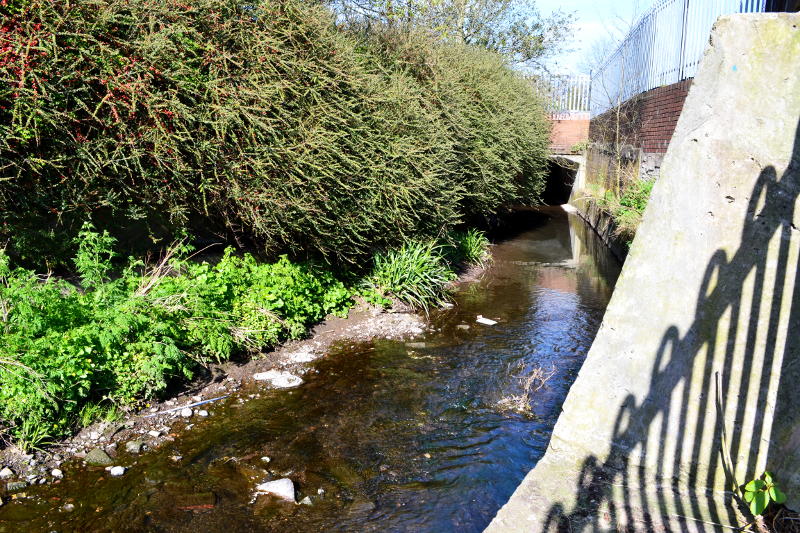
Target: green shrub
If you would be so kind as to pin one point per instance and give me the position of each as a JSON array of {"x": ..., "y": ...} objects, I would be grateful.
[
  {"x": 260, "y": 121},
  {"x": 471, "y": 247},
  {"x": 72, "y": 355},
  {"x": 68, "y": 356},
  {"x": 415, "y": 274}
]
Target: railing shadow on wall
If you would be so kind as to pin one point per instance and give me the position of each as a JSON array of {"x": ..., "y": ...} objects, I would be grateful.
[{"x": 746, "y": 367}]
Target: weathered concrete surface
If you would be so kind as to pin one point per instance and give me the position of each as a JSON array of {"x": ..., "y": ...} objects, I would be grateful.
[
  {"x": 691, "y": 386},
  {"x": 586, "y": 207}
]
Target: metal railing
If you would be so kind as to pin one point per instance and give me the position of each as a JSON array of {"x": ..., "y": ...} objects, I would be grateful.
[
  {"x": 664, "y": 47},
  {"x": 563, "y": 94}
]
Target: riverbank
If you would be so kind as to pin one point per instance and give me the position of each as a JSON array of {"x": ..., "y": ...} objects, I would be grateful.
[{"x": 162, "y": 421}]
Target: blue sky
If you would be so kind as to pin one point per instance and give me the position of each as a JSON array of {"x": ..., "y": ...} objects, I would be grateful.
[{"x": 596, "y": 20}]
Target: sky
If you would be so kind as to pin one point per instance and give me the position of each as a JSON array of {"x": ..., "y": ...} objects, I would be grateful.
[{"x": 596, "y": 20}]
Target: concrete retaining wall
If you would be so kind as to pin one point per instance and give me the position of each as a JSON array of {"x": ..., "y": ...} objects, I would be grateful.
[{"x": 690, "y": 387}]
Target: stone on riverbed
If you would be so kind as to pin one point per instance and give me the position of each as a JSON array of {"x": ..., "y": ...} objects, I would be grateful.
[
  {"x": 279, "y": 379},
  {"x": 97, "y": 457},
  {"x": 134, "y": 446},
  {"x": 16, "y": 485},
  {"x": 485, "y": 321},
  {"x": 303, "y": 356},
  {"x": 6, "y": 473},
  {"x": 281, "y": 488},
  {"x": 117, "y": 471}
]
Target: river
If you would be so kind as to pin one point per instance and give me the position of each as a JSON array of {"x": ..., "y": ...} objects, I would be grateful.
[{"x": 383, "y": 436}]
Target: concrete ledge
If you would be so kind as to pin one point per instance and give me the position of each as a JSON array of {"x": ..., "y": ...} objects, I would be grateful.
[{"x": 690, "y": 387}]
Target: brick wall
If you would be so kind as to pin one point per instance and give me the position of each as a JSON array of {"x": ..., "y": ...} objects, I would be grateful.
[
  {"x": 568, "y": 130},
  {"x": 647, "y": 120}
]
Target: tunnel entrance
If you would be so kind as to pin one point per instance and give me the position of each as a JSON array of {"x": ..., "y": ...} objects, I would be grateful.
[{"x": 561, "y": 173}]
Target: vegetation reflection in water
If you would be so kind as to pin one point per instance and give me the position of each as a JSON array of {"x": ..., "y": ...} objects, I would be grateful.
[{"x": 383, "y": 436}]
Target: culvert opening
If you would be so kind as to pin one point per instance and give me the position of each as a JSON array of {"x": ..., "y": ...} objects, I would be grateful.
[{"x": 561, "y": 173}]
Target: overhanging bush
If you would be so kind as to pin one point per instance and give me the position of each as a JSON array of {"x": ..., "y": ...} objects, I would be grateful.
[{"x": 259, "y": 122}]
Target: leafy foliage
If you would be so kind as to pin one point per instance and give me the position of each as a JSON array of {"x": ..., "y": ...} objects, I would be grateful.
[
  {"x": 761, "y": 491},
  {"x": 471, "y": 247},
  {"x": 415, "y": 274},
  {"x": 258, "y": 121},
  {"x": 68, "y": 356},
  {"x": 71, "y": 355},
  {"x": 514, "y": 28},
  {"x": 419, "y": 272}
]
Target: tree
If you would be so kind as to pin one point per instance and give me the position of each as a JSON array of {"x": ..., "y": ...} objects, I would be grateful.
[{"x": 514, "y": 28}]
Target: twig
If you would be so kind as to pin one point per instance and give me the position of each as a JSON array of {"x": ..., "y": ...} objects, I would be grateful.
[{"x": 186, "y": 406}]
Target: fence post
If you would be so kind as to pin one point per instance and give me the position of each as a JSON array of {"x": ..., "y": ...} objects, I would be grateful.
[{"x": 684, "y": 30}]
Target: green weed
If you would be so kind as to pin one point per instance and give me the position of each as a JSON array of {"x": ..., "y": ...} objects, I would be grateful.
[
  {"x": 471, "y": 247},
  {"x": 759, "y": 492},
  {"x": 416, "y": 274},
  {"x": 72, "y": 355}
]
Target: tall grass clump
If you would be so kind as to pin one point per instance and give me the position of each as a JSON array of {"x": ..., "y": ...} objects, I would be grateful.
[
  {"x": 419, "y": 273},
  {"x": 416, "y": 274},
  {"x": 257, "y": 122},
  {"x": 471, "y": 247}
]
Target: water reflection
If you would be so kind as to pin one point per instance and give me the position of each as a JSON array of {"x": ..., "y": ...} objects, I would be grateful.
[{"x": 384, "y": 436}]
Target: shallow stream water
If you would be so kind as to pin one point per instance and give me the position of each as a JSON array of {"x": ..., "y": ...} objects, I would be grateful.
[{"x": 383, "y": 436}]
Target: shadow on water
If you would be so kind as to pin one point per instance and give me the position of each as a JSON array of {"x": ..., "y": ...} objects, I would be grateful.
[
  {"x": 382, "y": 436},
  {"x": 614, "y": 494}
]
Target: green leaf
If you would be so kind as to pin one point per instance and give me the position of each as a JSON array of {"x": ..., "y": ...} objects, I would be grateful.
[
  {"x": 768, "y": 478},
  {"x": 754, "y": 485},
  {"x": 777, "y": 494},
  {"x": 759, "y": 503},
  {"x": 748, "y": 496}
]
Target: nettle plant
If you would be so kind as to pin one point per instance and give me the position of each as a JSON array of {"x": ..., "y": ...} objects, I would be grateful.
[{"x": 761, "y": 491}]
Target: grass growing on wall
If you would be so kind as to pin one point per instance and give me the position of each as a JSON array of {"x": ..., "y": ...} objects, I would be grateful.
[
  {"x": 626, "y": 209},
  {"x": 259, "y": 122},
  {"x": 72, "y": 354}
]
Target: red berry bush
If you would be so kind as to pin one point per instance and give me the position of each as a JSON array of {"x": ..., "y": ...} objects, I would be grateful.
[{"x": 260, "y": 123}]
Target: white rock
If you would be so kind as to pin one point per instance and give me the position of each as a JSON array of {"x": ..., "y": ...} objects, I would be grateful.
[
  {"x": 279, "y": 379},
  {"x": 94, "y": 435},
  {"x": 57, "y": 473},
  {"x": 186, "y": 412},
  {"x": 154, "y": 433},
  {"x": 197, "y": 399},
  {"x": 305, "y": 501},
  {"x": 302, "y": 357},
  {"x": 282, "y": 488},
  {"x": 202, "y": 413},
  {"x": 485, "y": 321},
  {"x": 448, "y": 305},
  {"x": 117, "y": 471},
  {"x": 266, "y": 459},
  {"x": 6, "y": 473}
]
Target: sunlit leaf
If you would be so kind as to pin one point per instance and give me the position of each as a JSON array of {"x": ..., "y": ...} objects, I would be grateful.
[
  {"x": 759, "y": 503},
  {"x": 777, "y": 494}
]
